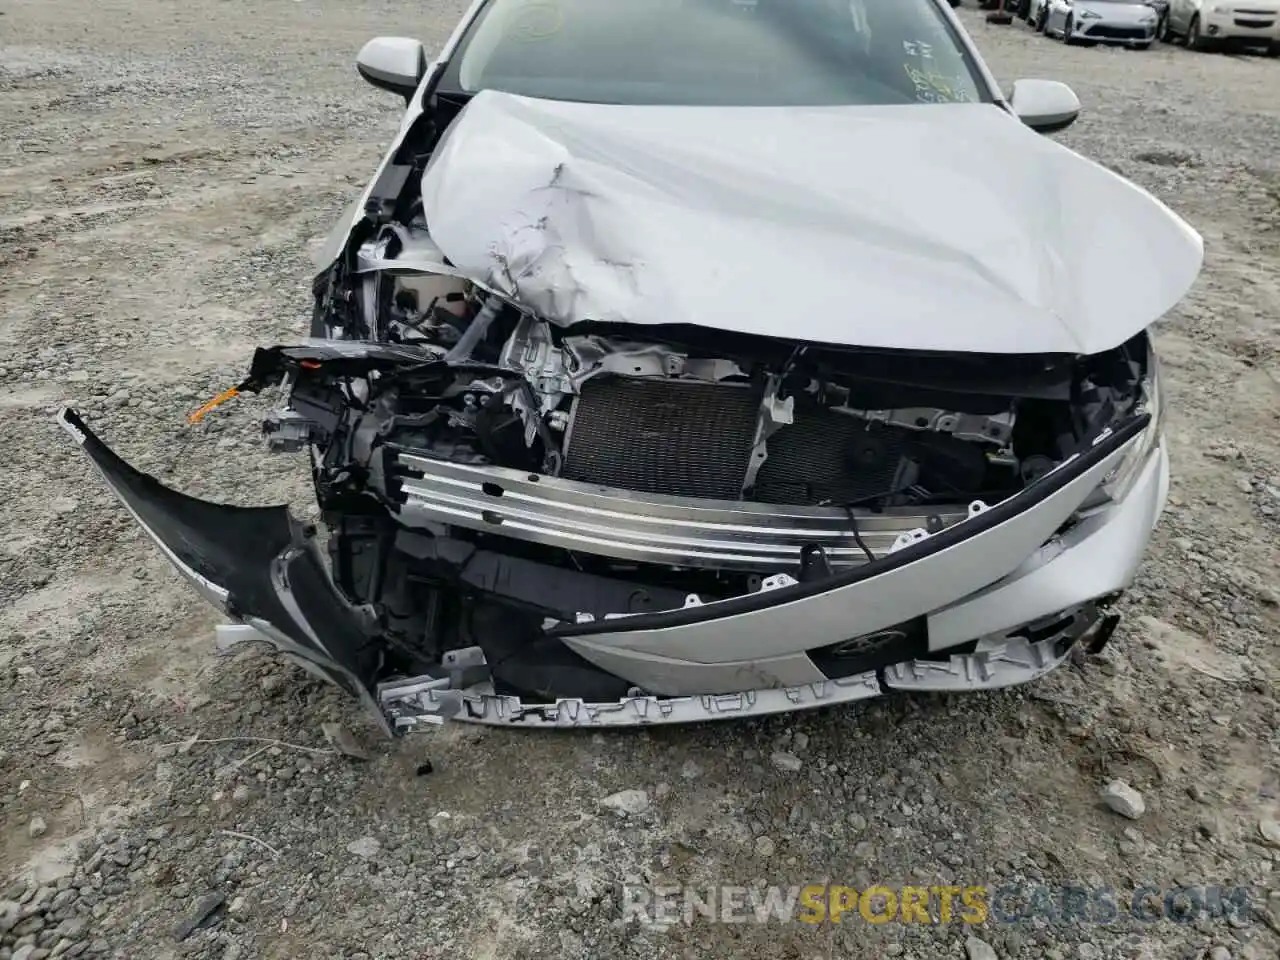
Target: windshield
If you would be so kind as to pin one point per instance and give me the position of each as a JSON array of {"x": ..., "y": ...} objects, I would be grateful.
[{"x": 718, "y": 52}]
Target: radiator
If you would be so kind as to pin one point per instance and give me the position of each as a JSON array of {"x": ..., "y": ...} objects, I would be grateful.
[
  {"x": 690, "y": 439},
  {"x": 674, "y": 437}
]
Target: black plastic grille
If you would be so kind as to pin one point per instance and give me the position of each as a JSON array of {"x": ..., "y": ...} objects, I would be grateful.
[
  {"x": 1104, "y": 32},
  {"x": 671, "y": 437}
]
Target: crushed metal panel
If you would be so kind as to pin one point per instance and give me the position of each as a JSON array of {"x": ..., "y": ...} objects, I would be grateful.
[{"x": 711, "y": 216}]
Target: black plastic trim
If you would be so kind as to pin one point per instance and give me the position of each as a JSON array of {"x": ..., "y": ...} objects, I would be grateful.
[
  {"x": 266, "y": 561},
  {"x": 904, "y": 641}
]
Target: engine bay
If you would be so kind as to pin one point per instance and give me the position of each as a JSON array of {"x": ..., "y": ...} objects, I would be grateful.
[
  {"x": 693, "y": 412},
  {"x": 483, "y": 473}
]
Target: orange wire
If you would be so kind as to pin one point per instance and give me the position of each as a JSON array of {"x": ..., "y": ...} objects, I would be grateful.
[{"x": 217, "y": 401}]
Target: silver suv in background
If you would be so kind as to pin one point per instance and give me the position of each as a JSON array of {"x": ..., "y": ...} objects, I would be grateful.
[{"x": 1210, "y": 24}]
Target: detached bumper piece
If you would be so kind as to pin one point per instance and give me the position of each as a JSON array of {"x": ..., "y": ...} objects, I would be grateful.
[{"x": 256, "y": 564}]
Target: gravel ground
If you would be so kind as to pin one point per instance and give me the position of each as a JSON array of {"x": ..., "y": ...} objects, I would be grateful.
[{"x": 165, "y": 169}]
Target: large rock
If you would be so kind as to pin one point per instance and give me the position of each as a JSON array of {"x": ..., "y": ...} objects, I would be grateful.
[
  {"x": 1123, "y": 799},
  {"x": 626, "y": 803}
]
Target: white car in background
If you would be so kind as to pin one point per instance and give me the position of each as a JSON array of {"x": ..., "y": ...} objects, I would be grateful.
[
  {"x": 1205, "y": 24},
  {"x": 1037, "y": 14},
  {"x": 1128, "y": 22}
]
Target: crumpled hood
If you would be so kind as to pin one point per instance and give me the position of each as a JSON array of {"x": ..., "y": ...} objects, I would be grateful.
[{"x": 938, "y": 227}]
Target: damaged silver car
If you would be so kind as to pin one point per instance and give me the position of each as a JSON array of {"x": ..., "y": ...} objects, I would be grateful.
[{"x": 695, "y": 359}]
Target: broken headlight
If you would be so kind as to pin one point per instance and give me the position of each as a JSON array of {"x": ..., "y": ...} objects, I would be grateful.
[{"x": 1117, "y": 484}]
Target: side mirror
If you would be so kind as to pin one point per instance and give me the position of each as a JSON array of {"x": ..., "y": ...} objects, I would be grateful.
[
  {"x": 1044, "y": 105},
  {"x": 397, "y": 64}
]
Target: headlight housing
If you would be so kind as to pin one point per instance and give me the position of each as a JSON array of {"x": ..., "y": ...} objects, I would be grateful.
[
  {"x": 1117, "y": 484},
  {"x": 1090, "y": 15}
]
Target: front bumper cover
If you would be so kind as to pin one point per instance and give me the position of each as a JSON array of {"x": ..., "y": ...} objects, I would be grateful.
[
  {"x": 262, "y": 568},
  {"x": 258, "y": 565}
]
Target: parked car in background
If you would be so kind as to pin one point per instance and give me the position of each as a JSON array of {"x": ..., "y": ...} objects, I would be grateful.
[
  {"x": 1037, "y": 14},
  {"x": 1206, "y": 24},
  {"x": 1129, "y": 22},
  {"x": 1161, "y": 7}
]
